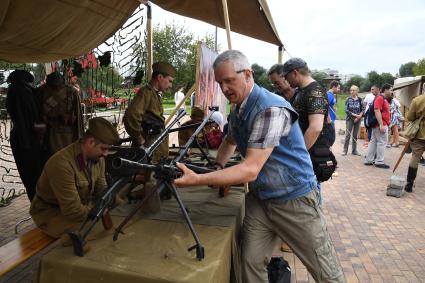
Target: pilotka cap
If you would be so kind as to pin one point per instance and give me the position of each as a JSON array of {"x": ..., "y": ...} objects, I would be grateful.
[
  {"x": 164, "y": 68},
  {"x": 103, "y": 130}
]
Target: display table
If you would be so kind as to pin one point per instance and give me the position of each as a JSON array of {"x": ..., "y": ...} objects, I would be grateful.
[{"x": 154, "y": 247}]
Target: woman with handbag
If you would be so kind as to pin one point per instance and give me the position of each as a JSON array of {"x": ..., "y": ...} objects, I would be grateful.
[{"x": 354, "y": 111}]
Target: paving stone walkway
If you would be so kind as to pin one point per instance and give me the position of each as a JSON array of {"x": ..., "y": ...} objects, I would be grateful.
[{"x": 377, "y": 238}]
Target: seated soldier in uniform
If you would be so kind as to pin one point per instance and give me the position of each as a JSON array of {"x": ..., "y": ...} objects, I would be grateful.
[
  {"x": 72, "y": 179},
  {"x": 196, "y": 116}
]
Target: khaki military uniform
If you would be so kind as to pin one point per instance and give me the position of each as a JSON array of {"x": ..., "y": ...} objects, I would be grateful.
[
  {"x": 61, "y": 110},
  {"x": 66, "y": 190},
  {"x": 143, "y": 109},
  {"x": 417, "y": 109}
]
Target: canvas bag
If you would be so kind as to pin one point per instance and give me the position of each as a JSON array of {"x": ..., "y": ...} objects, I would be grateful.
[{"x": 412, "y": 128}]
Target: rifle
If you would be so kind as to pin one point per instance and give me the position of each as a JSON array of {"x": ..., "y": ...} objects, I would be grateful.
[
  {"x": 101, "y": 208},
  {"x": 166, "y": 174}
]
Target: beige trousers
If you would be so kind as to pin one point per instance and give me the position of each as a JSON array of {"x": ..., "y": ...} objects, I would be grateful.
[
  {"x": 301, "y": 224},
  {"x": 418, "y": 148}
]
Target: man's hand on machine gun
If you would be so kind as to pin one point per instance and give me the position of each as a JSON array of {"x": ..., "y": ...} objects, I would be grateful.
[{"x": 189, "y": 177}]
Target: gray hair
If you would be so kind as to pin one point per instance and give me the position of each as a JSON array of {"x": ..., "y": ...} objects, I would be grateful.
[
  {"x": 276, "y": 68},
  {"x": 239, "y": 60}
]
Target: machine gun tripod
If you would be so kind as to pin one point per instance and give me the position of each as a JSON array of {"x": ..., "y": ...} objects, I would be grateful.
[{"x": 166, "y": 174}]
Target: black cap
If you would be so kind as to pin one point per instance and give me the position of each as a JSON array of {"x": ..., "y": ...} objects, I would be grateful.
[{"x": 292, "y": 64}]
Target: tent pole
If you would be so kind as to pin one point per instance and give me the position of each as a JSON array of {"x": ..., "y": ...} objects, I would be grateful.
[
  {"x": 227, "y": 23},
  {"x": 149, "y": 41},
  {"x": 280, "y": 55}
]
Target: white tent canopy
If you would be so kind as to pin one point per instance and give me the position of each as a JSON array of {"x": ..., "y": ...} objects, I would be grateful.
[{"x": 405, "y": 89}]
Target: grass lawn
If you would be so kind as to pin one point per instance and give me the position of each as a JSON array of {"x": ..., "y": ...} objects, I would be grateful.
[{"x": 340, "y": 106}]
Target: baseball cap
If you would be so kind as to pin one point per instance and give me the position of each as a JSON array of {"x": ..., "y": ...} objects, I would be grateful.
[{"x": 292, "y": 64}]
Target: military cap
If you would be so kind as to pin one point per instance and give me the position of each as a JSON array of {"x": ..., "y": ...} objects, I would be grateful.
[
  {"x": 292, "y": 64},
  {"x": 197, "y": 113},
  {"x": 103, "y": 130},
  {"x": 164, "y": 68}
]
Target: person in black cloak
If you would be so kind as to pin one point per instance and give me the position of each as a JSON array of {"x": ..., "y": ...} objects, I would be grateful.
[{"x": 26, "y": 133}]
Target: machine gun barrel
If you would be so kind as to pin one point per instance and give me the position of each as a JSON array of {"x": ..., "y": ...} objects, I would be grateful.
[{"x": 125, "y": 165}]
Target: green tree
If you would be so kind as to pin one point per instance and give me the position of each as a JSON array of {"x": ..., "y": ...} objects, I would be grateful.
[
  {"x": 365, "y": 86},
  {"x": 355, "y": 80},
  {"x": 419, "y": 69},
  {"x": 260, "y": 76},
  {"x": 374, "y": 78},
  {"x": 174, "y": 44},
  {"x": 387, "y": 78},
  {"x": 14, "y": 66},
  {"x": 406, "y": 70},
  {"x": 319, "y": 77}
]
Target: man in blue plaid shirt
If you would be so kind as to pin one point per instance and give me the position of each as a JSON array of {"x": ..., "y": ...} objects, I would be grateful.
[{"x": 283, "y": 200}]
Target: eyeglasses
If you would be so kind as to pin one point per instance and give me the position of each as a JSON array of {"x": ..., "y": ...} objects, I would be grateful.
[
  {"x": 287, "y": 74},
  {"x": 243, "y": 70}
]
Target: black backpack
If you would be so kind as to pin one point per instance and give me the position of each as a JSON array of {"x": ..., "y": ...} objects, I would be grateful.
[
  {"x": 279, "y": 271},
  {"x": 369, "y": 116}
]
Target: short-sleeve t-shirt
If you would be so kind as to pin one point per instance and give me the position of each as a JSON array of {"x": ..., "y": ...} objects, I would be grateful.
[
  {"x": 382, "y": 104},
  {"x": 310, "y": 100},
  {"x": 332, "y": 101},
  {"x": 368, "y": 100}
]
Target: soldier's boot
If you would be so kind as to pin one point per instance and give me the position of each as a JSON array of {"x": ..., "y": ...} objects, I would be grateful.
[{"x": 411, "y": 176}]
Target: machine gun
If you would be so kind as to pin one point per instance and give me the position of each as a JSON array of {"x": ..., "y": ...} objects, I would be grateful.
[
  {"x": 103, "y": 204},
  {"x": 165, "y": 175}
]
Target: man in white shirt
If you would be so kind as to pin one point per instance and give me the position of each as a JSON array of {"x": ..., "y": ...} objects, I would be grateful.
[{"x": 179, "y": 96}]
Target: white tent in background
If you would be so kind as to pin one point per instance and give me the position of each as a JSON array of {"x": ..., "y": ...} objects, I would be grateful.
[{"x": 405, "y": 89}]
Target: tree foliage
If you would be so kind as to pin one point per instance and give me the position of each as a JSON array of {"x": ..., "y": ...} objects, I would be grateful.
[
  {"x": 355, "y": 80},
  {"x": 419, "y": 68},
  {"x": 174, "y": 44},
  {"x": 319, "y": 77},
  {"x": 374, "y": 79},
  {"x": 260, "y": 76},
  {"x": 406, "y": 70},
  {"x": 387, "y": 78}
]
